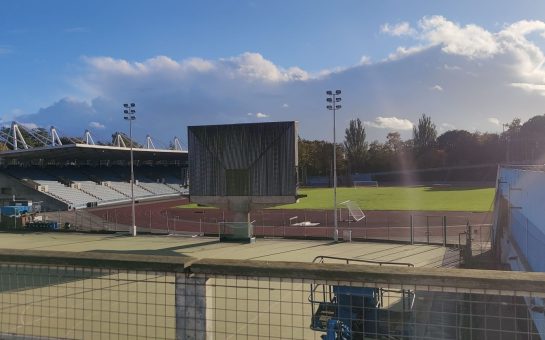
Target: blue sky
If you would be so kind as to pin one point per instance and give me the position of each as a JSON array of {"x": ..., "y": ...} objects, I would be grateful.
[{"x": 72, "y": 63}]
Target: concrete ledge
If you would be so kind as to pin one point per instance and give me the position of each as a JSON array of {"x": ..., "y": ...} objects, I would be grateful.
[
  {"x": 491, "y": 280},
  {"x": 102, "y": 260},
  {"x": 523, "y": 283}
]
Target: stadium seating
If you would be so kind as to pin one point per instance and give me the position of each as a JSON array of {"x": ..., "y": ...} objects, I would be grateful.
[
  {"x": 72, "y": 196},
  {"x": 77, "y": 186},
  {"x": 102, "y": 192}
]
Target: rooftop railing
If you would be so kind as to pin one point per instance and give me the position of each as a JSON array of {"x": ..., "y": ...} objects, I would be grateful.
[{"x": 45, "y": 294}]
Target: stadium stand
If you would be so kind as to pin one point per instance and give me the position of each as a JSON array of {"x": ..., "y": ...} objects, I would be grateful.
[
  {"x": 73, "y": 196},
  {"x": 102, "y": 192},
  {"x": 113, "y": 177},
  {"x": 82, "y": 174},
  {"x": 79, "y": 186}
]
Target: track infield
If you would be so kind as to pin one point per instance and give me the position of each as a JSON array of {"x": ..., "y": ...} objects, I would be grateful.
[{"x": 422, "y": 198}]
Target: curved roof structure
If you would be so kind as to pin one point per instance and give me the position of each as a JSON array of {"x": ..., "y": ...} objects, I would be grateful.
[{"x": 92, "y": 153}]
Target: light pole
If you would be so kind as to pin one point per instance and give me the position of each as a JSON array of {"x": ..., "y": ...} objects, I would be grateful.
[
  {"x": 129, "y": 112},
  {"x": 504, "y": 126},
  {"x": 332, "y": 100}
]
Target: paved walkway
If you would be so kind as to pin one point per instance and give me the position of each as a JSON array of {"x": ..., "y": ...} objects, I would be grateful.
[{"x": 204, "y": 247}]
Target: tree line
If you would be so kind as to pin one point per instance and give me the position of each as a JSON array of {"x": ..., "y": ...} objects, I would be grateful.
[{"x": 518, "y": 143}]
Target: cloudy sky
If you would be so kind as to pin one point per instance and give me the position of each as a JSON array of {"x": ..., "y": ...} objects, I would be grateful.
[{"x": 469, "y": 65}]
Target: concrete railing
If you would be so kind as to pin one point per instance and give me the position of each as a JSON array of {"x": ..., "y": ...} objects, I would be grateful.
[{"x": 187, "y": 298}]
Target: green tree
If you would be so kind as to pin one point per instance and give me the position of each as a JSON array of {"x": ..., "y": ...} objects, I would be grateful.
[
  {"x": 355, "y": 145},
  {"x": 461, "y": 147},
  {"x": 532, "y": 135},
  {"x": 424, "y": 135},
  {"x": 394, "y": 142},
  {"x": 378, "y": 157}
]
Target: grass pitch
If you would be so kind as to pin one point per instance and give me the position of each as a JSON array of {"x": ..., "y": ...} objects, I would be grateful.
[{"x": 397, "y": 198}]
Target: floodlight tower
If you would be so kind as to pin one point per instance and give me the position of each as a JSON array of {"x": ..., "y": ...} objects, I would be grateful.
[
  {"x": 129, "y": 112},
  {"x": 332, "y": 100}
]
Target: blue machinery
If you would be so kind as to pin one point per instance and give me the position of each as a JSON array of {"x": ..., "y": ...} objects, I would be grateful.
[{"x": 347, "y": 313}]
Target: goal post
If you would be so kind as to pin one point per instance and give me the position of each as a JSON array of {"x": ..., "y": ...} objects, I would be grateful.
[
  {"x": 354, "y": 210},
  {"x": 368, "y": 184}
]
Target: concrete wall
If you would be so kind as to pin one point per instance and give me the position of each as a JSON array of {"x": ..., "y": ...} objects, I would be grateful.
[{"x": 21, "y": 191}]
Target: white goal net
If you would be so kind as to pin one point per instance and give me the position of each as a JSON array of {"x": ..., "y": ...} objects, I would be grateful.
[{"x": 354, "y": 210}]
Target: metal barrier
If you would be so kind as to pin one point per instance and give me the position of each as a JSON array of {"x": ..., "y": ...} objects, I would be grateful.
[
  {"x": 87, "y": 295},
  {"x": 101, "y": 295},
  {"x": 377, "y": 226}
]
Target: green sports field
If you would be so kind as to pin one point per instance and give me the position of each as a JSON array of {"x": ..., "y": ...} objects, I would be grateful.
[{"x": 398, "y": 198}]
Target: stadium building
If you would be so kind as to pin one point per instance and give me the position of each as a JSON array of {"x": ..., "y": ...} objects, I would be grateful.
[{"x": 83, "y": 174}]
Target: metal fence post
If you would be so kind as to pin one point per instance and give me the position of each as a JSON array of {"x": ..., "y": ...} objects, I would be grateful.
[
  {"x": 190, "y": 297},
  {"x": 444, "y": 231},
  {"x": 388, "y": 226},
  {"x": 411, "y": 229},
  {"x": 428, "y": 229}
]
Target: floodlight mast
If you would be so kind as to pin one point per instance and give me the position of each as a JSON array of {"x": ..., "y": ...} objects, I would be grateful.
[
  {"x": 333, "y": 99},
  {"x": 129, "y": 112}
]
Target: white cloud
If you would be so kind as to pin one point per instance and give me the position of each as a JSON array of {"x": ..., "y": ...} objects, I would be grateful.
[
  {"x": 402, "y": 52},
  {"x": 482, "y": 76},
  {"x": 285, "y": 105},
  {"x": 540, "y": 88},
  {"x": 446, "y": 127},
  {"x": 250, "y": 66},
  {"x": 365, "y": 60},
  {"x": 471, "y": 40},
  {"x": 509, "y": 46},
  {"x": 254, "y": 66},
  {"x": 258, "y": 115},
  {"x": 399, "y": 29},
  {"x": 493, "y": 120},
  {"x": 97, "y": 125},
  {"x": 392, "y": 123},
  {"x": 437, "y": 88}
]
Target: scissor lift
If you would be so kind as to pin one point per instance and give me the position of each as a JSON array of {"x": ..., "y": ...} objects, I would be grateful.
[{"x": 345, "y": 312}]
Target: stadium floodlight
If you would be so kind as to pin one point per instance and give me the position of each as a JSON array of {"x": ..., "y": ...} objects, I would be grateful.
[
  {"x": 332, "y": 98},
  {"x": 130, "y": 115}
]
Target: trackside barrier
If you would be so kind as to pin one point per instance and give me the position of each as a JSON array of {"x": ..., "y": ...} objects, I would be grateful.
[
  {"x": 382, "y": 226},
  {"x": 100, "y": 295}
]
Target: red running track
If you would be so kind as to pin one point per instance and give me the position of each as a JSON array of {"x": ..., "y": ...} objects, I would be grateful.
[{"x": 163, "y": 216}]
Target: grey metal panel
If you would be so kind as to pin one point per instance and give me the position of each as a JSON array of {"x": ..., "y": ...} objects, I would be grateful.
[{"x": 267, "y": 150}]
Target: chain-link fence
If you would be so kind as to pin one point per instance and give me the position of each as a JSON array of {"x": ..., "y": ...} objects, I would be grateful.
[
  {"x": 98, "y": 295},
  {"x": 409, "y": 227},
  {"x": 446, "y": 228}
]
